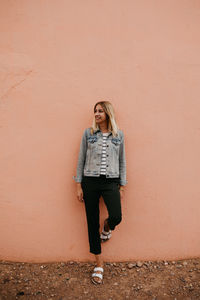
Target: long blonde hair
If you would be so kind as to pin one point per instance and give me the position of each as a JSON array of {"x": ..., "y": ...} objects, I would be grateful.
[{"x": 109, "y": 110}]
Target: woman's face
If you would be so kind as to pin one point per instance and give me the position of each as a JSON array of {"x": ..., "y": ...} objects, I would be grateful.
[{"x": 100, "y": 115}]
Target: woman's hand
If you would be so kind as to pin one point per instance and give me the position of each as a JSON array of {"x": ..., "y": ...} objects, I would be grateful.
[
  {"x": 121, "y": 190},
  {"x": 79, "y": 192}
]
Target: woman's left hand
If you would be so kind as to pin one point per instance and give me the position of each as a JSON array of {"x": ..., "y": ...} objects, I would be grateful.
[{"x": 121, "y": 190}]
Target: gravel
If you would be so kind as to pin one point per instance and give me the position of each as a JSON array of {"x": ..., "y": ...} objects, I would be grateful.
[{"x": 135, "y": 280}]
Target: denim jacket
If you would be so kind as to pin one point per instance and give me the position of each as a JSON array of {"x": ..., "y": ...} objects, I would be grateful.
[{"x": 89, "y": 160}]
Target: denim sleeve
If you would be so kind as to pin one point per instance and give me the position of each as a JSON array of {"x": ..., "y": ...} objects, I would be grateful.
[
  {"x": 122, "y": 162},
  {"x": 81, "y": 158}
]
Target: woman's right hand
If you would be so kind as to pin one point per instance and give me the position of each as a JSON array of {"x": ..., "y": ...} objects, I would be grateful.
[{"x": 79, "y": 192}]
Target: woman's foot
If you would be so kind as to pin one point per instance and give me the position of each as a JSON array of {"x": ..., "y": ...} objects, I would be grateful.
[
  {"x": 106, "y": 232},
  {"x": 97, "y": 275}
]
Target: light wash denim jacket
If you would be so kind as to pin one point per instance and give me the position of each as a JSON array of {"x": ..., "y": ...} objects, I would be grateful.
[{"x": 89, "y": 160}]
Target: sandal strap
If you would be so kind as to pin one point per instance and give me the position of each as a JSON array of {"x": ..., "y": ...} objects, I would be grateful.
[
  {"x": 106, "y": 232},
  {"x": 98, "y": 269},
  {"x": 97, "y": 275},
  {"x": 105, "y": 237}
]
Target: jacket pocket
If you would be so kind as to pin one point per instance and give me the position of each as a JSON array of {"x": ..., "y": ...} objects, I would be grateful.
[
  {"x": 92, "y": 139},
  {"x": 116, "y": 141}
]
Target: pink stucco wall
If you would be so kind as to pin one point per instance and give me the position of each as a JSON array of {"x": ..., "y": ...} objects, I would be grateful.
[{"x": 57, "y": 58}]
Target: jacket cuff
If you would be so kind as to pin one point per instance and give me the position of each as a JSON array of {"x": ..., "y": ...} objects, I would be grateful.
[
  {"x": 77, "y": 179},
  {"x": 123, "y": 182}
]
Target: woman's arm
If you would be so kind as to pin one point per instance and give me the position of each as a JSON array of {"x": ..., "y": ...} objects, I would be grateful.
[
  {"x": 81, "y": 158},
  {"x": 122, "y": 163}
]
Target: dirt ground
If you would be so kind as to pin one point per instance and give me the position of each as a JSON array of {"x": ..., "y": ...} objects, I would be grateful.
[{"x": 155, "y": 280}]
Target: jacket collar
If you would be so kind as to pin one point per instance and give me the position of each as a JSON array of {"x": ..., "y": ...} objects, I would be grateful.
[{"x": 98, "y": 130}]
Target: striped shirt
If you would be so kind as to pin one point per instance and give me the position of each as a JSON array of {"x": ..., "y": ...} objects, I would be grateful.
[{"x": 103, "y": 154}]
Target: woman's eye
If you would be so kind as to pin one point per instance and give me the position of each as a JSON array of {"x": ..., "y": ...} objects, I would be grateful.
[{"x": 100, "y": 111}]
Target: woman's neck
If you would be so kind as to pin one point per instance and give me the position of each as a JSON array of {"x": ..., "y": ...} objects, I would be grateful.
[{"x": 103, "y": 127}]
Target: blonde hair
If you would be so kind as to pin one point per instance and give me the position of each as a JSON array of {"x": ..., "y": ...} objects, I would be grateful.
[{"x": 109, "y": 110}]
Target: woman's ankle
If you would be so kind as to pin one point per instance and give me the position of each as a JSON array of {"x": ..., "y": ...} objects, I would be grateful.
[
  {"x": 99, "y": 261},
  {"x": 106, "y": 226}
]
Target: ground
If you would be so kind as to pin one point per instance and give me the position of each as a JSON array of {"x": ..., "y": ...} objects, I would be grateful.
[{"x": 155, "y": 280}]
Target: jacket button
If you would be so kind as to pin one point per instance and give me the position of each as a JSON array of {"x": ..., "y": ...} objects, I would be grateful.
[
  {"x": 107, "y": 145},
  {"x": 107, "y": 166}
]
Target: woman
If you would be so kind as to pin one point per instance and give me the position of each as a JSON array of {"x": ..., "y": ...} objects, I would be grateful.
[{"x": 101, "y": 171}]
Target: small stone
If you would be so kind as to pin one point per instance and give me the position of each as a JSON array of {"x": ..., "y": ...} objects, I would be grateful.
[
  {"x": 131, "y": 265},
  {"x": 71, "y": 262},
  {"x": 38, "y": 292},
  {"x": 182, "y": 279},
  {"x": 116, "y": 283},
  {"x": 42, "y": 267},
  {"x": 72, "y": 279},
  {"x": 139, "y": 264},
  {"x": 21, "y": 293},
  {"x": 179, "y": 266},
  {"x": 185, "y": 263},
  {"x": 67, "y": 278}
]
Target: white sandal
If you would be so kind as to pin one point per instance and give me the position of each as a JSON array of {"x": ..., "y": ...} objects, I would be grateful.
[
  {"x": 99, "y": 275},
  {"x": 105, "y": 235}
]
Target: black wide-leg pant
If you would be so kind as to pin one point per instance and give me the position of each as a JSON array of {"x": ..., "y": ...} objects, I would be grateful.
[{"x": 93, "y": 188}]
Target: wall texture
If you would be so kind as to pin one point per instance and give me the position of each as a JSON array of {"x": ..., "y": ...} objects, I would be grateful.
[{"x": 57, "y": 58}]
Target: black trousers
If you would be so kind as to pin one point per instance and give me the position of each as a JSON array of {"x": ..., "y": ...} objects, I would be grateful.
[{"x": 93, "y": 188}]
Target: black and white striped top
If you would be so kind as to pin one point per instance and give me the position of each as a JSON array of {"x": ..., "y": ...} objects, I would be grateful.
[{"x": 103, "y": 154}]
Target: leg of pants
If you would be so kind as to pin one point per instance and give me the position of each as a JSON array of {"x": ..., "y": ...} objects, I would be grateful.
[
  {"x": 93, "y": 188},
  {"x": 111, "y": 196}
]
